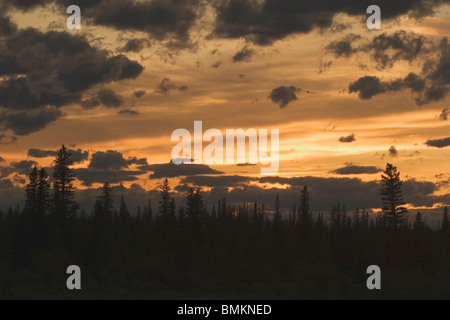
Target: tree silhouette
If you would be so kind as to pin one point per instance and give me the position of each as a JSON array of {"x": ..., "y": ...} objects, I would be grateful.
[
  {"x": 106, "y": 199},
  {"x": 43, "y": 192},
  {"x": 63, "y": 188},
  {"x": 31, "y": 190},
  {"x": 304, "y": 212},
  {"x": 445, "y": 220},
  {"x": 391, "y": 196}
]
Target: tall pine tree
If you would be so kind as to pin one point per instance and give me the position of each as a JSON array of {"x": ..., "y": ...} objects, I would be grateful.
[
  {"x": 63, "y": 189},
  {"x": 391, "y": 196}
]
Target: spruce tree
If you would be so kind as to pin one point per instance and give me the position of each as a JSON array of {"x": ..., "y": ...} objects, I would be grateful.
[
  {"x": 445, "y": 221},
  {"x": 391, "y": 196},
  {"x": 165, "y": 202},
  {"x": 107, "y": 199},
  {"x": 63, "y": 188},
  {"x": 305, "y": 214},
  {"x": 31, "y": 192},
  {"x": 43, "y": 192}
]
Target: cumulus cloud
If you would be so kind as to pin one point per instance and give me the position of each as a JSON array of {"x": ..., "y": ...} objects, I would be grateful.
[
  {"x": 168, "y": 21},
  {"x": 44, "y": 71},
  {"x": 110, "y": 166},
  {"x": 351, "y": 168},
  {"x": 284, "y": 95},
  {"x": 438, "y": 143},
  {"x": 112, "y": 159},
  {"x": 347, "y": 139},
  {"x": 264, "y": 22}
]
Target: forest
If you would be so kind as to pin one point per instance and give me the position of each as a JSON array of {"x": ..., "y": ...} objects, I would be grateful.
[{"x": 215, "y": 251}]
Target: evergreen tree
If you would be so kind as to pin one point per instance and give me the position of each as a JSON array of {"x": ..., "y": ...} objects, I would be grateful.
[
  {"x": 419, "y": 223},
  {"x": 107, "y": 199},
  {"x": 305, "y": 214},
  {"x": 165, "y": 202},
  {"x": 43, "y": 192},
  {"x": 391, "y": 196},
  {"x": 445, "y": 221},
  {"x": 31, "y": 192},
  {"x": 123, "y": 212},
  {"x": 277, "y": 213},
  {"x": 63, "y": 188}
]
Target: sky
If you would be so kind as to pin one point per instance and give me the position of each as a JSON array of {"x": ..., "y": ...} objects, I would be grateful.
[{"x": 345, "y": 99}]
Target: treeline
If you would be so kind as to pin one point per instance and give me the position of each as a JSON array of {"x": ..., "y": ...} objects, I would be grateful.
[{"x": 224, "y": 251}]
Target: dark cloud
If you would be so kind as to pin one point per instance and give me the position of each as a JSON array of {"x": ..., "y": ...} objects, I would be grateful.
[
  {"x": 108, "y": 160},
  {"x": 431, "y": 86},
  {"x": 128, "y": 112},
  {"x": 26, "y": 122},
  {"x": 39, "y": 153},
  {"x": 355, "y": 169},
  {"x": 369, "y": 86},
  {"x": 135, "y": 45},
  {"x": 7, "y": 27},
  {"x": 109, "y": 98},
  {"x": 165, "y": 86},
  {"x": 78, "y": 155},
  {"x": 433, "y": 93},
  {"x": 20, "y": 167},
  {"x": 387, "y": 49},
  {"x": 343, "y": 48},
  {"x": 139, "y": 93},
  {"x": 164, "y": 20},
  {"x": 284, "y": 95},
  {"x": 112, "y": 159},
  {"x": 105, "y": 97},
  {"x": 263, "y": 22},
  {"x": 444, "y": 114},
  {"x": 245, "y": 54},
  {"x": 43, "y": 71},
  {"x": 170, "y": 170},
  {"x": 438, "y": 143},
  {"x": 347, "y": 139},
  {"x": 110, "y": 166},
  {"x": 2, "y": 160},
  {"x": 393, "y": 152}
]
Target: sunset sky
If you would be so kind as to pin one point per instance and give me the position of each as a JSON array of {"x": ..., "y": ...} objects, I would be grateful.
[{"x": 345, "y": 99}]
